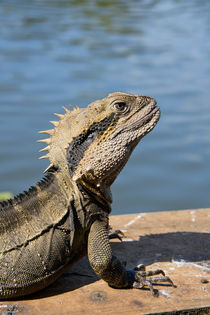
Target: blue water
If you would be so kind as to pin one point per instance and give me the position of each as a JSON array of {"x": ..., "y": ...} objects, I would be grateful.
[{"x": 54, "y": 53}]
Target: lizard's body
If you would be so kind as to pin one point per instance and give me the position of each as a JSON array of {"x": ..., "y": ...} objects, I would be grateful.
[
  {"x": 63, "y": 217},
  {"x": 41, "y": 245}
]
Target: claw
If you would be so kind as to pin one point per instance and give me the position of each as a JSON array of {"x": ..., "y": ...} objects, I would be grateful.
[
  {"x": 152, "y": 272},
  {"x": 161, "y": 279},
  {"x": 154, "y": 292},
  {"x": 142, "y": 279},
  {"x": 140, "y": 267},
  {"x": 117, "y": 234}
]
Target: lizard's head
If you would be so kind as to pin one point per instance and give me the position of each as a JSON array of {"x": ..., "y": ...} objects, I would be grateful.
[{"x": 96, "y": 142}]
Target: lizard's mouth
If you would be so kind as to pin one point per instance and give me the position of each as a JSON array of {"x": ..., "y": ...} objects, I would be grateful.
[{"x": 151, "y": 116}]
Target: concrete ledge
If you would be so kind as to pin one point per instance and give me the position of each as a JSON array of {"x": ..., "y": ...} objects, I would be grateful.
[{"x": 177, "y": 242}]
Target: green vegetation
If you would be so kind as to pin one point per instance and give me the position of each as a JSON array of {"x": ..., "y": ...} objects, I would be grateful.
[{"x": 5, "y": 195}]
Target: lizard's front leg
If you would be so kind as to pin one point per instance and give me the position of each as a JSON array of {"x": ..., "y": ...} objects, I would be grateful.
[
  {"x": 110, "y": 269},
  {"x": 105, "y": 265}
]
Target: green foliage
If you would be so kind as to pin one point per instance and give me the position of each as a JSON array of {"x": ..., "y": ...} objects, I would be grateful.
[{"x": 5, "y": 195}]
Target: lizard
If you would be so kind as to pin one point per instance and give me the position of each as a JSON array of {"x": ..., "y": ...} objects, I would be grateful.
[{"x": 45, "y": 230}]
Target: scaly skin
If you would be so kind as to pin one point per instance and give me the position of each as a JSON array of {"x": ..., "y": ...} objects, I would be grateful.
[{"x": 47, "y": 229}]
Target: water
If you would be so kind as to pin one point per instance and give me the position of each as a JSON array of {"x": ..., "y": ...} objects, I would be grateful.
[{"x": 53, "y": 53}]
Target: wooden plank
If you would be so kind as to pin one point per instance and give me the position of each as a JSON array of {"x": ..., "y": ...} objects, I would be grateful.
[{"x": 177, "y": 242}]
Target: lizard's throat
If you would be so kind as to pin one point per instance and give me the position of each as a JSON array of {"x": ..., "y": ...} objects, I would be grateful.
[{"x": 101, "y": 191}]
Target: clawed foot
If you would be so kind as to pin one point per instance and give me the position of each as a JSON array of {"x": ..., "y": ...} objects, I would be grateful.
[
  {"x": 116, "y": 234},
  {"x": 142, "y": 278}
]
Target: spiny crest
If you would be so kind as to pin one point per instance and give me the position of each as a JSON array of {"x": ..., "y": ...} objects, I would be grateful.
[{"x": 51, "y": 141}]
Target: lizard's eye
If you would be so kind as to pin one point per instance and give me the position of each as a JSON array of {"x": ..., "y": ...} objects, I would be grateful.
[{"x": 120, "y": 107}]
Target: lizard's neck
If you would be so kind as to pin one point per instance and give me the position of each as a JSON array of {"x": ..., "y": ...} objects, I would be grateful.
[
  {"x": 65, "y": 183},
  {"x": 99, "y": 194}
]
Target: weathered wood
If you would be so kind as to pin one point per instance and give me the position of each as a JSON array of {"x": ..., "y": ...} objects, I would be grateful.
[{"x": 177, "y": 242}]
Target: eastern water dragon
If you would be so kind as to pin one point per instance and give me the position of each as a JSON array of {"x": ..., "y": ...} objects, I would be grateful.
[{"x": 65, "y": 216}]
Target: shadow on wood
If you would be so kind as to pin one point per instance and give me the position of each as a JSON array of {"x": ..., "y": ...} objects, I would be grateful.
[{"x": 179, "y": 246}]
